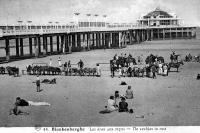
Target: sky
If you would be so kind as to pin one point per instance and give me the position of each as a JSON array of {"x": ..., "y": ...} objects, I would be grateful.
[{"x": 117, "y": 11}]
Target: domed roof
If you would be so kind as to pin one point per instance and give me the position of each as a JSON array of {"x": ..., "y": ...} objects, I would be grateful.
[{"x": 157, "y": 12}]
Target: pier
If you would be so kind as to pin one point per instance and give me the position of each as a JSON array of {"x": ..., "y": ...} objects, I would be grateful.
[{"x": 83, "y": 36}]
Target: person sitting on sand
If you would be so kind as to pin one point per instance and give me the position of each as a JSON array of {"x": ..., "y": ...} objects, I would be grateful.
[
  {"x": 129, "y": 93},
  {"x": 123, "y": 105},
  {"x": 21, "y": 103},
  {"x": 17, "y": 111},
  {"x": 111, "y": 106},
  {"x": 47, "y": 81}
]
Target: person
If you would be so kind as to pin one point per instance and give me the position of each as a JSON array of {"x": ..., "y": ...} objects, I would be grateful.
[
  {"x": 112, "y": 68},
  {"x": 123, "y": 105},
  {"x": 120, "y": 71},
  {"x": 38, "y": 83},
  {"x": 129, "y": 93},
  {"x": 125, "y": 56},
  {"x": 98, "y": 70},
  {"x": 139, "y": 60},
  {"x": 22, "y": 103},
  {"x": 50, "y": 62},
  {"x": 160, "y": 68},
  {"x": 80, "y": 64},
  {"x": 153, "y": 69},
  {"x": 111, "y": 105},
  {"x": 117, "y": 95},
  {"x": 59, "y": 62},
  {"x": 165, "y": 70},
  {"x": 69, "y": 64}
]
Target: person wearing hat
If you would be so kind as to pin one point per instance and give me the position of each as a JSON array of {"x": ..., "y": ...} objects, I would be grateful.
[
  {"x": 129, "y": 93},
  {"x": 123, "y": 105}
]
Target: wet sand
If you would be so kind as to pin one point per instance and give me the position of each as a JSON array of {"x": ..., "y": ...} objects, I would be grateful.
[{"x": 76, "y": 101}]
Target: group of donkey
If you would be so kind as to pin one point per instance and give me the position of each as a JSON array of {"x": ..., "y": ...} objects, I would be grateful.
[
  {"x": 80, "y": 72},
  {"x": 48, "y": 70},
  {"x": 43, "y": 70},
  {"x": 9, "y": 70}
]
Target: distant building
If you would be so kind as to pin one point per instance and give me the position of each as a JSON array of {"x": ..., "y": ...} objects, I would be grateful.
[{"x": 159, "y": 18}]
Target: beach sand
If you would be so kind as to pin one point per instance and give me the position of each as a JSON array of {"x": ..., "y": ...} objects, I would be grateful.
[{"x": 76, "y": 101}]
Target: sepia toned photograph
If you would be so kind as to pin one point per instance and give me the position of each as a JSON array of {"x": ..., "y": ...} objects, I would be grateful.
[{"x": 99, "y": 63}]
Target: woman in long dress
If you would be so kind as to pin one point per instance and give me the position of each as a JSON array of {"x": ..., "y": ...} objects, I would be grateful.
[
  {"x": 160, "y": 69},
  {"x": 165, "y": 71}
]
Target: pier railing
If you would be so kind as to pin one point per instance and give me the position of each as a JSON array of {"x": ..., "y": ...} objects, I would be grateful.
[{"x": 76, "y": 29}]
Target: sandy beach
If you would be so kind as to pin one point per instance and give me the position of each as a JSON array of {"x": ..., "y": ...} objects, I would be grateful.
[{"x": 76, "y": 101}]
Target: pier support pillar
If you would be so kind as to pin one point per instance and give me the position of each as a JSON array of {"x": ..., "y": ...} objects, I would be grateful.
[
  {"x": 62, "y": 43},
  {"x": 88, "y": 41},
  {"x": 93, "y": 41},
  {"x": 35, "y": 47},
  {"x": 65, "y": 43},
  {"x": 110, "y": 41},
  {"x": 21, "y": 47},
  {"x": 45, "y": 45},
  {"x": 30, "y": 46},
  {"x": 58, "y": 43},
  {"x": 7, "y": 48},
  {"x": 76, "y": 38},
  {"x": 73, "y": 42},
  {"x": 182, "y": 32},
  {"x": 163, "y": 34},
  {"x": 17, "y": 46},
  {"x": 100, "y": 38},
  {"x": 138, "y": 36},
  {"x": 39, "y": 45},
  {"x": 147, "y": 35},
  {"x": 103, "y": 40},
  {"x": 170, "y": 34},
  {"x": 51, "y": 44},
  {"x": 70, "y": 42},
  {"x": 97, "y": 40},
  {"x": 119, "y": 39},
  {"x": 176, "y": 33},
  {"x": 152, "y": 36},
  {"x": 188, "y": 35}
]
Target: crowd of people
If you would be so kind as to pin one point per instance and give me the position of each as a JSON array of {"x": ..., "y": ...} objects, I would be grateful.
[
  {"x": 124, "y": 66},
  {"x": 115, "y": 104}
]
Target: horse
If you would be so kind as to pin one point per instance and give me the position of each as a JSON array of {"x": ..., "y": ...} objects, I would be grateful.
[
  {"x": 174, "y": 57},
  {"x": 130, "y": 60},
  {"x": 175, "y": 65},
  {"x": 138, "y": 72},
  {"x": 2, "y": 70},
  {"x": 13, "y": 70},
  {"x": 150, "y": 59},
  {"x": 160, "y": 59}
]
